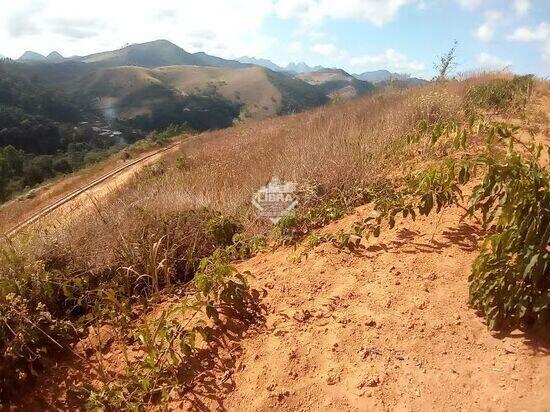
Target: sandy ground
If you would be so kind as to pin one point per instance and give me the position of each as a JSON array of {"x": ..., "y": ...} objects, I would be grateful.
[{"x": 387, "y": 328}]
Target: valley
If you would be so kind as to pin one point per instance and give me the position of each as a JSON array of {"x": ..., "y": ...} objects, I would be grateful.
[{"x": 132, "y": 92}]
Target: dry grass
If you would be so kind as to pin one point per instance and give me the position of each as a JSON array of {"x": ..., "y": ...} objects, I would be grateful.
[
  {"x": 336, "y": 147},
  {"x": 107, "y": 244},
  {"x": 345, "y": 145},
  {"x": 250, "y": 86},
  {"x": 24, "y": 206}
]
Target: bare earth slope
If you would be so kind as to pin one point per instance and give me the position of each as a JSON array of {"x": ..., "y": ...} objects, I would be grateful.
[{"x": 385, "y": 329}]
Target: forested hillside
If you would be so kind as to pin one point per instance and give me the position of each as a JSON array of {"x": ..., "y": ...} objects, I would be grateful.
[{"x": 37, "y": 135}]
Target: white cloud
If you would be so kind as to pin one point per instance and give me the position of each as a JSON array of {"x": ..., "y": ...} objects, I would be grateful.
[
  {"x": 486, "y": 32},
  {"x": 546, "y": 52},
  {"x": 488, "y": 61},
  {"x": 327, "y": 49},
  {"x": 540, "y": 33},
  {"x": 316, "y": 35},
  {"x": 528, "y": 34},
  {"x": 521, "y": 7},
  {"x": 313, "y": 12},
  {"x": 233, "y": 27},
  {"x": 295, "y": 47},
  {"x": 469, "y": 4},
  {"x": 390, "y": 59}
]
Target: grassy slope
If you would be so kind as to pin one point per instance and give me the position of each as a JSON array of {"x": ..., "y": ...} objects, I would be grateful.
[
  {"x": 130, "y": 90},
  {"x": 350, "y": 145}
]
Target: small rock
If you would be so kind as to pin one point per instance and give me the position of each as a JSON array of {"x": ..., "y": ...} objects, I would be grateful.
[
  {"x": 271, "y": 387},
  {"x": 303, "y": 315},
  {"x": 432, "y": 276},
  {"x": 371, "y": 382},
  {"x": 333, "y": 379}
]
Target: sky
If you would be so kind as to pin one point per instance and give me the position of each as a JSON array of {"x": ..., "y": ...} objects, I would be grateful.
[{"x": 405, "y": 36}]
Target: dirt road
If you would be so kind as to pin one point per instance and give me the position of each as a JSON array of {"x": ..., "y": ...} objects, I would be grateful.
[{"x": 102, "y": 183}]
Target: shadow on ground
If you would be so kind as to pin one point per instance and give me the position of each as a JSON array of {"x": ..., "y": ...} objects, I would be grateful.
[{"x": 210, "y": 374}]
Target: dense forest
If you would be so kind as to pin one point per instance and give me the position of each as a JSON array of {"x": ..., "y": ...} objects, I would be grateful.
[{"x": 201, "y": 110}]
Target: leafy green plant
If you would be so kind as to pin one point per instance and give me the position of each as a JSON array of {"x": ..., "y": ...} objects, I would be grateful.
[
  {"x": 510, "y": 280},
  {"x": 173, "y": 337},
  {"x": 287, "y": 228},
  {"x": 29, "y": 326},
  {"x": 243, "y": 247},
  {"x": 221, "y": 229}
]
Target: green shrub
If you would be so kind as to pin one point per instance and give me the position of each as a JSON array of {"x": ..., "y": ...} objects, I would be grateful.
[
  {"x": 288, "y": 227},
  {"x": 324, "y": 213},
  {"x": 501, "y": 94},
  {"x": 220, "y": 230},
  {"x": 168, "y": 342},
  {"x": 510, "y": 281},
  {"x": 30, "y": 326}
]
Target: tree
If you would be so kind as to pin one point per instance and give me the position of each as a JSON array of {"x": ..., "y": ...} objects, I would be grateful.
[
  {"x": 447, "y": 63},
  {"x": 62, "y": 166}
]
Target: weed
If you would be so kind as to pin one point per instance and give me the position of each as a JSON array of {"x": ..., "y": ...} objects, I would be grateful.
[
  {"x": 173, "y": 337},
  {"x": 500, "y": 95},
  {"x": 221, "y": 229},
  {"x": 510, "y": 279}
]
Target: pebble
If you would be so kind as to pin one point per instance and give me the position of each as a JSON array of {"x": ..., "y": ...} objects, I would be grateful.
[
  {"x": 371, "y": 382},
  {"x": 333, "y": 379}
]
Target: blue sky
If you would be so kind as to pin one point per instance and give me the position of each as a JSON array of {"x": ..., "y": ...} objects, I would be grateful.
[{"x": 357, "y": 35}]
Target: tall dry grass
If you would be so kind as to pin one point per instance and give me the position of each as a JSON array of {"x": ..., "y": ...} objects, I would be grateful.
[{"x": 335, "y": 147}]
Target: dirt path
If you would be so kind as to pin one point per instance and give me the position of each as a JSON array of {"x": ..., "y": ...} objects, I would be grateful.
[
  {"x": 386, "y": 329},
  {"x": 94, "y": 189}
]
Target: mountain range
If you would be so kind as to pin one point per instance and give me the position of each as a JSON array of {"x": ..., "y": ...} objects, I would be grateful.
[
  {"x": 61, "y": 113},
  {"x": 164, "y": 53},
  {"x": 374, "y": 77},
  {"x": 140, "y": 81},
  {"x": 337, "y": 83},
  {"x": 157, "y": 53},
  {"x": 291, "y": 67}
]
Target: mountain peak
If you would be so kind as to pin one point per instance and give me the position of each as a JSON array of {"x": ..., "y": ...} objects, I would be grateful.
[
  {"x": 55, "y": 57},
  {"x": 32, "y": 56},
  {"x": 156, "y": 53},
  {"x": 379, "y": 76},
  {"x": 260, "y": 62}
]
